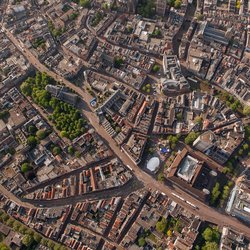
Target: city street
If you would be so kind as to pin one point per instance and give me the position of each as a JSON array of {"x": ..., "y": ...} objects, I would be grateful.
[{"x": 205, "y": 212}]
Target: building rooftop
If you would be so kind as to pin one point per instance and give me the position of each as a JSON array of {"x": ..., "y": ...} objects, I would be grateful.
[{"x": 187, "y": 168}]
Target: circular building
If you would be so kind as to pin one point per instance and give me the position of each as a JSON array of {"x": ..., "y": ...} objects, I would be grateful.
[{"x": 153, "y": 164}]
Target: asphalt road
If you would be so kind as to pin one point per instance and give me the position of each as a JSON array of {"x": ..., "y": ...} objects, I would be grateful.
[
  {"x": 120, "y": 191},
  {"x": 66, "y": 175},
  {"x": 205, "y": 212}
]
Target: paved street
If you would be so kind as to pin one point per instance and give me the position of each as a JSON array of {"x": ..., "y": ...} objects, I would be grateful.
[
  {"x": 66, "y": 175},
  {"x": 13, "y": 198},
  {"x": 204, "y": 211},
  {"x": 120, "y": 191}
]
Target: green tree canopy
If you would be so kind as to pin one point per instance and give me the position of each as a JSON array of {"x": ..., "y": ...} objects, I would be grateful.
[
  {"x": 177, "y": 4},
  {"x": 16, "y": 225},
  {"x": 10, "y": 222},
  {"x": 56, "y": 150},
  {"x": 198, "y": 120},
  {"x": 41, "y": 134},
  {"x": 44, "y": 242},
  {"x": 4, "y": 114},
  {"x": 26, "y": 88},
  {"x": 77, "y": 154},
  {"x": 191, "y": 137},
  {"x": 37, "y": 237},
  {"x": 118, "y": 62},
  {"x": 71, "y": 150},
  {"x": 160, "y": 177},
  {"x": 85, "y": 3},
  {"x": 27, "y": 240},
  {"x": 25, "y": 167},
  {"x": 32, "y": 129},
  {"x": 3, "y": 246},
  {"x": 210, "y": 246},
  {"x": 156, "y": 68},
  {"x": 211, "y": 235},
  {"x": 161, "y": 225},
  {"x": 147, "y": 8},
  {"x": 64, "y": 134},
  {"x": 246, "y": 110},
  {"x": 141, "y": 242},
  {"x": 215, "y": 193},
  {"x": 32, "y": 141},
  {"x": 51, "y": 244},
  {"x": 4, "y": 217}
]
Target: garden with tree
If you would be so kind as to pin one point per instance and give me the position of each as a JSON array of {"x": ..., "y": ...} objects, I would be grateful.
[
  {"x": 209, "y": 239},
  {"x": 66, "y": 118},
  {"x": 191, "y": 137}
]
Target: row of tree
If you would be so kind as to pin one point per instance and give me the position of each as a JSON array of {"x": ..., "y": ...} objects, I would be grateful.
[
  {"x": 31, "y": 238},
  {"x": 220, "y": 193}
]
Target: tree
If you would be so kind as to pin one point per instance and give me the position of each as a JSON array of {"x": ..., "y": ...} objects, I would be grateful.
[
  {"x": 57, "y": 247},
  {"x": 238, "y": 4},
  {"x": 225, "y": 193},
  {"x": 161, "y": 225},
  {"x": 26, "y": 88},
  {"x": 156, "y": 68},
  {"x": 10, "y": 222},
  {"x": 160, "y": 177},
  {"x": 37, "y": 237},
  {"x": 199, "y": 17},
  {"x": 51, "y": 244},
  {"x": 4, "y": 217},
  {"x": 173, "y": 140},
  {"x": 177, "y": 4},
  {"x": 141, "y": 242},
  {"x": 147, "y": 8},
  {"x": 177, "y": 226},
  {"x": 3, "y": 246},
  {"x": 118, "y": 62},
  {"x": 41, "y": 134},
  {"x": 169, "y": 233},
  {"x": 27, "y": 240},
  {"x": 210, "y": 246},
  {"x": 129, "y": 29},
  {"x": 85, "y": 3},
  {"x": 22, "y": 229},
  {"x": 25, "y": 167},
  {"x": 211, "y": 235},
  {"x": 240, "y": 152},
  {"x": 117, "y": 129},
  {"x": 198, "y": 120},
  {"x": 56, "y": 150},
  {"x": 191, "y": 137},
  {"x": 77, "y": 154},
  {"x": 179, "y": 116},
  {"x": 32, "y": 141},
  {"x": 64, "y": 134},
  {"x": 44, "y": 242},
  {"x": 4, "y": 114},
  {"x": 30, "y": 232},
  {"x": 32, "y": 129},
  {"x": 16, "y": 225},
  {"x": 215, "y": 193},
  {"x": 245, "y": 146},
  {"x": 71, "y": 150},
  {"x": 208, "y": 234},
  {"x": 246, "y": 110}
]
